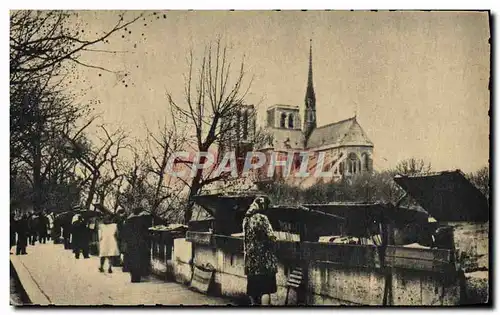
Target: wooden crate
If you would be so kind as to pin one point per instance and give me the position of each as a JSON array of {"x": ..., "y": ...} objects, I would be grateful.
[
  {"x": 437, "y": 260},
  {"x": 202, "y": 238},
  {"x": 344, "y": 254},
  {"x": 229, "y": 244}
]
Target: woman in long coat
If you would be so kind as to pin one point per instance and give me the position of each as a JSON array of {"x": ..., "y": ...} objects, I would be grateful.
[
  {"x": 260, "y": 257},
  {"x": 108, "y": 243}
]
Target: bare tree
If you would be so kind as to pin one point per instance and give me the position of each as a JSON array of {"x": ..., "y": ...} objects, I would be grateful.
[
  {"x": 412, "y": 166},
  {"x": 39, "y": 118},
  {"x": 41, "y": 41},
  {"x": 97, "y": 160},
  {"x": 162, "y": 144},
  {"x": 135, "y": 177},
  {"x": 214, "y": 96},
  {"x": 43, "y": 46},
  {"x": 481, "y": 179}
]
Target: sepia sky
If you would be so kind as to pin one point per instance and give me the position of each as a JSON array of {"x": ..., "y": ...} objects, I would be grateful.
[{"x": 418, "y": 81}]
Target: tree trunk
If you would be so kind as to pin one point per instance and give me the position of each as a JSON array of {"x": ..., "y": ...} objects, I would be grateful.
[
  {"x": 37, "y": 161},
  {"x": 91, "y": 194},
  {"x": 195, "y": 189}
]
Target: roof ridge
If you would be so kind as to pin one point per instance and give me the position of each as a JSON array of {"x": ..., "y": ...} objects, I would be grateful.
[
  {"x": 432, "y": 173},
  {"x": 284, "y": 105},
  {"x": 286, "y": 129},
  {"x": 337, "y": 122}
]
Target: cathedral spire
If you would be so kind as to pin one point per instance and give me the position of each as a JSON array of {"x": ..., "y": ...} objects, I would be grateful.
[
  {"x": 310, "y": 100},
  {"x": 310, "y": 96}
]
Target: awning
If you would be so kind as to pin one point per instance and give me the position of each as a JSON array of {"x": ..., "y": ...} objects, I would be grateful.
[
  {"x": 355, "y": 210},
  {"x": 301, "y": 213},
  {"x": 214, "y": 203},
  {"x": 362, "y": 218},
  {"x": 447, "y": 196},
  {"x": 306, "y": 222}
]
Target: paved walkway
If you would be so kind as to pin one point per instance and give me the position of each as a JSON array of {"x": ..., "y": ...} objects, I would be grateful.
[{"x": 51, "y": 275}]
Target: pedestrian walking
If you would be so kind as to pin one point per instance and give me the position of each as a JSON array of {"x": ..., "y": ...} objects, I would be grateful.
[
  {"x": 108, "y": 243},
  {"x": 80, "y": 237},
  {"x": 12, "y": 230},
  {"x": 259, "y": 254},
  {"x": 22, "y": 229},
  {"x": 120, "y": 221},
  {"x": 50, "y": 230},
  {"x": 32, "y": 228},
  {"x": 43, "y": 226},
  {"x": 136, "y": 238}
]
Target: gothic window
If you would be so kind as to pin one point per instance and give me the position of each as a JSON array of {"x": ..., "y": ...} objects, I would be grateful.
[
  {"x": 298, "y": 161},
  {"x": 290, "y": 121},
  {"x": 310, "y": 116},
  {"x": 283, "y": 120},
  {"x": 367, "y": 162},
  {"x": 238, "y": 124},
  {"x": 245, "y": 125},
  {"x": 353, "y": 163}
]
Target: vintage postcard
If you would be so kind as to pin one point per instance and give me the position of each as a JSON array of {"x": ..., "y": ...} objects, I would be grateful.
[{"x": 282, "y": 158}]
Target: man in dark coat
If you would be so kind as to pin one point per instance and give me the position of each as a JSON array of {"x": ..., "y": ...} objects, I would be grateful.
[
  {"x": 120, "y": 221},
  {"x": 56, "y": 230},
  {"x": 22, "y": 229},
  {"x": 137, "y": 244},
  {"x": 66, "y": 233},
  {"x": 12, "y": 230},
  {"x": 81, "y": 238},
  {"x": 43, "y": 226},
  {"x": 33, "y": 228}
]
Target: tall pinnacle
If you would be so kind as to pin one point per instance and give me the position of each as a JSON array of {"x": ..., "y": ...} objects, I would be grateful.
[
  {"x": 310, "y": 95},
  {"x": 310, "y": 102}
]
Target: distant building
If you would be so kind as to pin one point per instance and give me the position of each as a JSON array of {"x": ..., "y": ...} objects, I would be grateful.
[
  {"x": 347, "y": 148},
  {"x": 238, "y": 132}
]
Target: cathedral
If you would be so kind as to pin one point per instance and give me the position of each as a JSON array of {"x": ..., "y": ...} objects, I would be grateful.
[{"x": 346, "y": 148}]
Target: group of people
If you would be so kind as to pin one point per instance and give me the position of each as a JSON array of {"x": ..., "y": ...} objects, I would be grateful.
[
  {"x": 127, "y": 238},
  {"x": 120, "y": 237},
  {"x": 28, "y": 228}
]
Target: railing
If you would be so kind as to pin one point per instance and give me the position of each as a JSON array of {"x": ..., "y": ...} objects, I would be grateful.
[
  {"x": 161, "y": 245},
  {"x": 366, "y": 256}
]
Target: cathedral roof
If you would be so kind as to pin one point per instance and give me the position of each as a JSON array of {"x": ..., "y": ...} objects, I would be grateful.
[
  {"x": 283, "y": 106},
  {"x": 286, "y": 138},
  {"x": 344, "y": 132}
]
